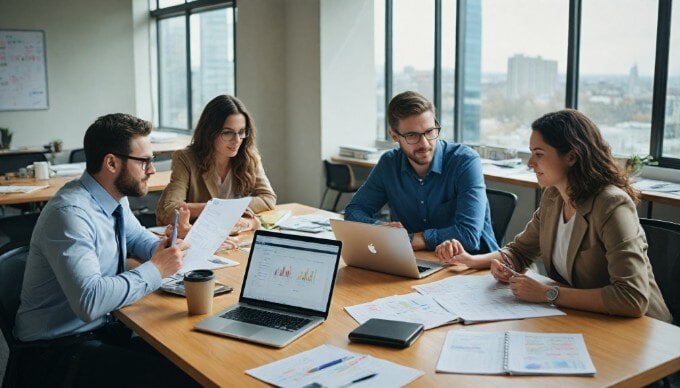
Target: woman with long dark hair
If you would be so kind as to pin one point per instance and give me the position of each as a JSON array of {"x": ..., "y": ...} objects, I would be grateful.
[
  {"x": 586, "y": 230},
  {"x": 222, "y": 161}
]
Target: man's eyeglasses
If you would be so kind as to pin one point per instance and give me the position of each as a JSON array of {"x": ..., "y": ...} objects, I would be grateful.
[
  {"x": 146, "y": 162},
  {"x": 231, "y": 135},
  {"x": 414, "y": 137}
]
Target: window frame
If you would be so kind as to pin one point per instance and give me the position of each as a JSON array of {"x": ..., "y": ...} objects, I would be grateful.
[
  {"x": 572, "y": 81},
  {"x": 185, "y": 10}
]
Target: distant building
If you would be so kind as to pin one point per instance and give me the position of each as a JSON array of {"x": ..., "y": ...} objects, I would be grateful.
[
  {"x": 531, "y": 76},
  {"x": 634, "y": 86},
  {"x": 472, "y": 88}
]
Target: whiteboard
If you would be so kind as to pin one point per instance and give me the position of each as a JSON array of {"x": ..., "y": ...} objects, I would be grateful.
[{"x": 23, "y": 70}]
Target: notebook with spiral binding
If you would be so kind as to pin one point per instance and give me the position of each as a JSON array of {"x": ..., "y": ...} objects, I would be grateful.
[{"x": 516, "y": 353}]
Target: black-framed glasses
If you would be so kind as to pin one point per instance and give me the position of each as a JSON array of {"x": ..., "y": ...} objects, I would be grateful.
[
  {"x": 146, "y": 162},
  {"x": 414, "y": 137},
  {"x": 231, "y": 135}
]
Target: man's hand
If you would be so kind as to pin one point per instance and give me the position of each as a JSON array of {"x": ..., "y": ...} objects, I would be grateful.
[
  {"x": 168, "y": 259},
  {"x": 183, "y": 226}
]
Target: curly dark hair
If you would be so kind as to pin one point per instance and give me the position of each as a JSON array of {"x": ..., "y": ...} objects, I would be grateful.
[
  {"x": 245, "y": 164},
  {"x": 569, "y": 130}
]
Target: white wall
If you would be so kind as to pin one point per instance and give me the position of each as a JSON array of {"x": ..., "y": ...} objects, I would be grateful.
[
  {"x": 89, "y": 66},
  {"x": 348, "y": 83}
]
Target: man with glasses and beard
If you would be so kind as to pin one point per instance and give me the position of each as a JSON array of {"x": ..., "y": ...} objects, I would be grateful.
[
  {"x": 76, "y": 275},
  {"x": 435, "y": 189}
]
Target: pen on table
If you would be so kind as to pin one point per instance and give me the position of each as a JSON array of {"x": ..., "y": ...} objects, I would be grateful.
[
  {"x": 326, "y": 365},
  {"x": 360, "y": 379},
  {"x": 173, "y": 239}
]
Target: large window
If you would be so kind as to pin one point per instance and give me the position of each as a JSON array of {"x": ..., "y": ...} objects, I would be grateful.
[
  {"x": 195, "y": 41},
  {"x": 518, "y": 59},
  {"x": 616, "y": 79}
]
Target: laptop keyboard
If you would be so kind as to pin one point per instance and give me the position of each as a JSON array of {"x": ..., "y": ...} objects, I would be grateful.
[
  {"x": 266, "y": 318},
  {"x": 422, "y": 268}
]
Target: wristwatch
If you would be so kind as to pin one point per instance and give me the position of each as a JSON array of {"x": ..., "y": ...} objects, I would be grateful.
[{"x": 552, "y": 294}]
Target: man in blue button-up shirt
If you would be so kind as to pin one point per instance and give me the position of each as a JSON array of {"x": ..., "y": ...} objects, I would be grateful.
[
  {"x": 434, "y": 189},
  {"x": 75, "y": 273}
]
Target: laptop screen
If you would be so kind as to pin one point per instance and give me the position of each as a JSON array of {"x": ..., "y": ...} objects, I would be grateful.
[{"x": 291, "y": 270}]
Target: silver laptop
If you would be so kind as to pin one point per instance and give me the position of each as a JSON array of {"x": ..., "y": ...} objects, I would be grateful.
[
  {"x": 286, "y": 290},
  {"x": 381, "y": 248}
]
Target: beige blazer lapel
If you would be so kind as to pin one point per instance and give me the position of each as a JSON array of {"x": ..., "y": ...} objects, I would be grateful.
[
  {"x": 209, "y": 178},
  {"x": 549, "y": 225},
  {"x": 578, "y": 233}
]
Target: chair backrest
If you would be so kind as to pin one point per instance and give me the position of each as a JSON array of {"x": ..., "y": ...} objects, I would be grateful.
[
  {"x": 663, "y": 239},
  {"x": 339, "y": 177},
  {"x": 13, "y": 162},
  {"x": 12, "y": 265},
  {"x": 18, "y": 229},
  {"x": 502, "y": 205},
  {"x": 77, "y": 155}
]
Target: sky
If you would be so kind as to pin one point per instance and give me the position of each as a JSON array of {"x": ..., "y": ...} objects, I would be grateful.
[{"x": 615, "y": 34}]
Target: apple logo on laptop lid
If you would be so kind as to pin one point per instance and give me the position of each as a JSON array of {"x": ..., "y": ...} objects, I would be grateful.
[{"x": 371, "y": 248}]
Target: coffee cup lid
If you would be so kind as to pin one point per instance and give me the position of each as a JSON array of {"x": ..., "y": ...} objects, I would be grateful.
[{"x": 199, "y": 275}]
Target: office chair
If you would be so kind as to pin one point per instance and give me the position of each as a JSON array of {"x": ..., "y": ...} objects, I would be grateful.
[
  {"x": 502, "y": 205},
  {"x": 77, "y": 155},
  {"x": 339, "y": 177},
  {"x": 13, "y": 162},
  {"x": 12, "y": 265},
  {"x": 18, "y": 230},
  {"x": 663, "y": 239}
]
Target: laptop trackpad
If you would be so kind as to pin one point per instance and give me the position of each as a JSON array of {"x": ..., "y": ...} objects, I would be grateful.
[{"x": 242, "y": 329}]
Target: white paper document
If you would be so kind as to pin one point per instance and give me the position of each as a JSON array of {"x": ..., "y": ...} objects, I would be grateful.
[
  {"x": 20, "y": 189},
  {"x": 209, "y": 231},
  {"x": 515, "y": 352},
  {"x": 655, "y": 185},
  {"x": 481, "y": 298},
  {"x": 413, "y": 307},
  {"x": 68, "y": 169},
  {"x": 329, "y": 366}
]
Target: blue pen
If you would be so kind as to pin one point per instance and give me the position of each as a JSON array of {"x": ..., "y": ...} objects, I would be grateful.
[
  {"x": 326, "y": 365},
  {"x": 173, "y": 239}
]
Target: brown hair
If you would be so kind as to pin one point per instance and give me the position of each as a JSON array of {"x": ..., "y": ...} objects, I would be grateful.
[
  {"x": 404, "y": 105},
  {"x": 245, "y": 164},
  {"x": 569, "y": 130},
  {"x": 111, "y": 134}
]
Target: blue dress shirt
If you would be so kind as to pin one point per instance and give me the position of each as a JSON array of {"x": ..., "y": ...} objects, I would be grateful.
[
  {"x": 70, "y": 284},
  {"x": 448, "y": 202}
]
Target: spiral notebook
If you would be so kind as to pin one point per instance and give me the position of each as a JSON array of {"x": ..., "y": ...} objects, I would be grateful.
[{"x": 515, "y": 353}]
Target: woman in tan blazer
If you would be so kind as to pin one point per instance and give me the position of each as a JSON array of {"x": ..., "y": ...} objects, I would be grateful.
[
  {"x": 586, "y": 230},
  {"x": 222, "y": 161}
]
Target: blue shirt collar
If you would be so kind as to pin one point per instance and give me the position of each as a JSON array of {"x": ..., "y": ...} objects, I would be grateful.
[
  {"x": 101, "y": 196},
  {"x": 435, "y": 165}
]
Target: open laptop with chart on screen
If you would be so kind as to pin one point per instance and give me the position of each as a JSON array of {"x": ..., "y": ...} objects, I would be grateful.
[{"x": 286, "y": 290}]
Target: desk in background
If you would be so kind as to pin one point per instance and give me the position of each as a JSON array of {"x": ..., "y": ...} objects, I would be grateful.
[
  {"x": 157, "y": 182},
  {"x": 526, "y": 179},
  {"x": 630, "y": 351}
]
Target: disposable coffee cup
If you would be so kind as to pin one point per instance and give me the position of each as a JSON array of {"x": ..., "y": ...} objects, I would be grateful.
[
  {"x": 42, "y": 170},
  {"x": 199, "y": 286}
]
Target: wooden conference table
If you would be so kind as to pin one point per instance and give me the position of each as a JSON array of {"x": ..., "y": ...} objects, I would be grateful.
[
  {"x": 157, "y": 182},
  {"x": 625, "y": 351}
]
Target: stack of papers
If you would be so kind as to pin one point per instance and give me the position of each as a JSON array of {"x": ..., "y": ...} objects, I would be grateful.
[
  {"x": 272, "y": 218},
  {"x": 358, "y": 152},
  {"x": 660, "y": 186},
  {"x": 329, "y": 366},
  {"x": 411, "y": 307},
  {"x": 480, "y": 298},
  {"x": 20, "y": 189},
  {"x": 310, "y": 223},
  {"x": 68, "y": 169}
]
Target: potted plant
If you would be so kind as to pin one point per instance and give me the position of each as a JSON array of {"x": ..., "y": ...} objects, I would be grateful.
[
  {"x": 56, "y": 145},
  {"x": 635, "y": 163},
  {"x": 5, "y": 138}
]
